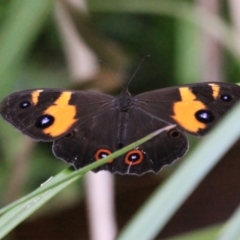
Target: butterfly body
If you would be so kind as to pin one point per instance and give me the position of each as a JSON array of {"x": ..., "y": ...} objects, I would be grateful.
[{"x": 86, "y": 126}]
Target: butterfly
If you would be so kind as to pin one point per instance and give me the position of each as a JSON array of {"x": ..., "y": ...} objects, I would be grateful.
[{"x": 87, "y": 126}]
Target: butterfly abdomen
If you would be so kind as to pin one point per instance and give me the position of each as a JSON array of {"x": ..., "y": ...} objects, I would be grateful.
[
  {"x": 125, "y": 103},
  {"x": 122, "y": 128}
]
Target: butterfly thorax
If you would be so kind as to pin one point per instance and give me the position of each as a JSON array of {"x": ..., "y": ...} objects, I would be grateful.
[{"x": 124, "y": 101}]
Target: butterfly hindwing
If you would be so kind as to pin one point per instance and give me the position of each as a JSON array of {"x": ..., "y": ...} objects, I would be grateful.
[{"x": 82, "y": 147}]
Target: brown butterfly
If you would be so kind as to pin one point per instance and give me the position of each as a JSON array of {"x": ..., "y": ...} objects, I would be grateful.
[{"x": 87, "y": 126}]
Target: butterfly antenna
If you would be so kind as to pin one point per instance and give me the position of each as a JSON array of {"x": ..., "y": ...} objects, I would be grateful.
[
  {"x": 134, "y": 74},
  {"x": 110, "y": 70}
]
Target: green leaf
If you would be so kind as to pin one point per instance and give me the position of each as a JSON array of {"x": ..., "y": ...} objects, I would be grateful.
[
  {"x": 16, "y": 212},
  {"x": 19, "y": 30},
  {"x": 231, "y": 229},
  {"x": 208, "y": 233}
]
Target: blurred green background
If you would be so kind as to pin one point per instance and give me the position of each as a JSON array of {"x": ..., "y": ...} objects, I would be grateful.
[{"x": 42, "y": 44}]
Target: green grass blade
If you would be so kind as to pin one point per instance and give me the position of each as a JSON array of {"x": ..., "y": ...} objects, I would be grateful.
[
  {"x": 16, "y": 212},
  {"x": 208, "y": 233},
  {"x": 12, "y": 218},
  {"x": 187, "y": 53},
  {"x": 62, "y": 177},
  {"x": 231, "y": 229},
  {"x": 19, "y": 30},
  {"x": 157, "y": 211},
  {"x": 22, "y": 24},
  {"x": 182, "y": 10}
]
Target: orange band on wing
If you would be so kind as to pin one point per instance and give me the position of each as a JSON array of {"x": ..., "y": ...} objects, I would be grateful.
[
  {"x": 35, "y": 96},
  {"x": 215, "y": 89},
  {"x": 184, "y": 111},
  {"x": 63, "y": 114}
]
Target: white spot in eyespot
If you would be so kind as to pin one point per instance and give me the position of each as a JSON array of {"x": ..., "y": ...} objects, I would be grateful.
[
  {"x": 45, "y": 120},
  {"x": 133, "y": 157}
]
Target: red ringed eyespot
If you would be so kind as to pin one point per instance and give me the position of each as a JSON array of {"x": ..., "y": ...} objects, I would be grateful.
[
  {"x": 134, "y": 157},
  {"x": 102, "y": 153}
]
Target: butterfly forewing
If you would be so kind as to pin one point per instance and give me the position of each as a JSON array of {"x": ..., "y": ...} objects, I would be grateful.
[
  {"x": 48, "y": 114},
  {"x": 195, "y": 108}
]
